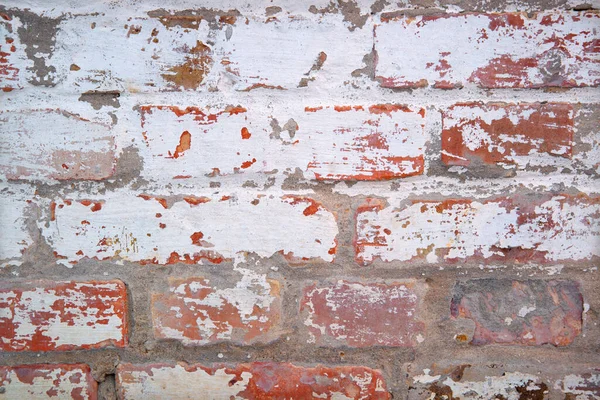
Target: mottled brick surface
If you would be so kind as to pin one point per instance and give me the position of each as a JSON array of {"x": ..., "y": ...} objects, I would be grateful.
[{"x": 531, "y": 312}]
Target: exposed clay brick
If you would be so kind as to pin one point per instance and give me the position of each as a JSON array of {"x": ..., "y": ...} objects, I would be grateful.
[
  {"x": 196, "y": 312},
  {"x": 363, "y": 315},
  {"x": 380, "y": 141},
  {"x": 50, "y": 316},
  {"x": 496, "y": 50},
  {"x": 520, "y": 134},
  {"x": 46, "y": 381},
  {"x": 249, "y": 381},
  {"x": 530, "y": 312},
  {"x": 55, "y": 144},
  {"x": 148, "y": 229},
  {"x": 564, "y": 227}
]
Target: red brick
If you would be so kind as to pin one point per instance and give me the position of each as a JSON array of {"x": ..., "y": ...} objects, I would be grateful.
[
  {"x": 50, "y": 316},
  {"x": 196, "y": 311},
  {"x": 56, "y": 145},
  {"x": 518, "y": 228},
  {"x": 41, "y": 381},
  {"x": 509, "y": 50},
  {"x": 529, "y": 312},
  {"x": 521, "y": 134},
  {"x": 249, "y": 381},
  {"x": 362, "y": 315}
]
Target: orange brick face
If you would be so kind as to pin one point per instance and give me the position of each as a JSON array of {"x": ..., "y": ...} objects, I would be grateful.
[
  {"x": 521, "y": 134},
  {"x": 47, "y": 316}
]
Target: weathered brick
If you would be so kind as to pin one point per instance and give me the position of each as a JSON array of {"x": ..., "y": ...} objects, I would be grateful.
[
  {"x": 46, "y": 381},
  {"x": 382, "y": 141},
  {"x": 469, "y": 381},
  {"x": 580, "y": 385},
  {"x": 14, "y": 236},
  {"x": 130, "y": 53},
  {"x": 374, "y": 142},
  {"x": 530, "y": 312},
  {"x": 9, "y": 72},
  {"x": 519, "y": 134},
  {"x": 193, "y": 229},
  {"x": 291, "y": 52},
  {"x": 54, "y": 144},
  {"x": 496, "y": 50},
  {"x": 197, "y": 312},
  {"x": 362, "y": 315},
  {"x": 517, "y": 228},
  {"x": 249, "y": 381},
  {"x": 48, "y": 316},
  {"x": 165, "y": 54}
]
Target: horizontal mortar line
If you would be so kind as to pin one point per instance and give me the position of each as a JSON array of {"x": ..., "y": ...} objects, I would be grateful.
[{"x": 433, "y": 98}]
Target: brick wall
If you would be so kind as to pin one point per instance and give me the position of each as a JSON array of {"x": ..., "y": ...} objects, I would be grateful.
[{"x": 300, "y": 199}]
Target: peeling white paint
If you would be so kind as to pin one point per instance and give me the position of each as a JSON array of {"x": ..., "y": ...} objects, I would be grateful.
[
  {"x": 48, "y": 381},
  {"x": 180, "y": 382},
  {"x": 475, "y": 228},
  {"x": 479, "y": 46},
  {"x": 129, "y": 227},
  {"x": 54, "y": 144},
  {"x": 14, "y": 236}
]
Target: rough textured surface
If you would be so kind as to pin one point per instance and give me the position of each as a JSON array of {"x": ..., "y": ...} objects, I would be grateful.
[
  {"x": 40, "y": 381},
  {"x": 151, "y": 229},
  {"x": 520, "y": 312},
  {"x": 523, "y": 134},
  {"x": 250, "y": 381},
  {"x": 300, "y": 199},
  {"x": 363, "y": 315},
  {"x": 519, "y": 228},
  {"x": 43, "y": 316},
  {"x": 197, "y": 313},
  {"x": 54, "y": 144},
  {"x": 498, "y": 50},
  {"x": 380, "y": 141}
]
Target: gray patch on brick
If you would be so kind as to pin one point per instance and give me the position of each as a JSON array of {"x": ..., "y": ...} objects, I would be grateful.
[
  {"x": 38, "y": 35},
  {"x": 99, "y": 99}
]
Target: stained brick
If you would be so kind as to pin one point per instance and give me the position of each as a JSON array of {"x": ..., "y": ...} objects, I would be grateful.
[
  {"x": 518, "y": 228},
  {"x": 249, "y": 381},
  {"x": 49, "y": 316},
  {"x": 47, "y": 381},
  {"x": 363, "y": 315},
  {"x": 520, "y": 134},
  {"x": 191, "y": 229},
  {"x": 197, "y": 312},
  {"x": 531, "y": 312},
  {"x": 56, "y": 145},
  {"x": 379, "y": 141},
  {"x": 506, "y": 50}
]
